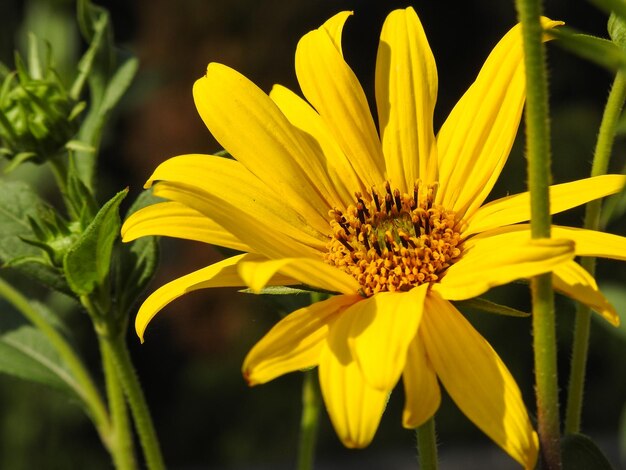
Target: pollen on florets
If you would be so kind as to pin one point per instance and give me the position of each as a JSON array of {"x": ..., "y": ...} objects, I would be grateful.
[{"x": 392, "y": 241}]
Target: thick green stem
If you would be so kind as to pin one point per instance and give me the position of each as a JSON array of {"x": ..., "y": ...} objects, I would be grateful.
[
  {"x": 86, "y": 388},
  {"x": 123, "y": 451},
  {"x": 137, "y": 402},
  {"x": 427, "y": 445},
  {"x": 538, "y": 154},
  {"x": 601, "y": 157},
  {"x": 309, "y": 422}
]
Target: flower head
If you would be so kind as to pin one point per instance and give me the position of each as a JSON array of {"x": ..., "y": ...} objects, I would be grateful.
[{"x": 392, "y": 220}]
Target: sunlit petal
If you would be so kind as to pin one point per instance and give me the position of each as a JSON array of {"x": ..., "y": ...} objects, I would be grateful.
[
  {"x": 421, "y": 389},
  {"x": 476, "y": 138},
  {"x": 498, "y": 260},
  {"x": 315, "y": 129},
  {"x": 260, "y": 236},
  {"x": 354, "y": 407},
  {"x": 381, "y": 333},
  {"x": 221, "y": 274},
  {"x": 307, "y": 271},
  {"x": 251, "y": 127},
  {"x": 477, "y": 380},
  {"x": 574, "y": 281},
  {"x": 406, "y": 91},
  {"x": 227, "y": 181},
  {"x": 295, "y": 342},
  {"x": 587, "y": 242},
  {"x": 171, "y": 219},
  {"x": 516, "y": 208},
  {"x": 331, "y": 87}
]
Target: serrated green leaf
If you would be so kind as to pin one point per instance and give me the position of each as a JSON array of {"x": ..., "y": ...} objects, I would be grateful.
[
  {"x": 87, "y": 262},
  {"x": 488, "y": 306},
  {"x": 27, "y": 354},
  {"x": 617, "y": 30},
  {"x": 600, "y": 51},
  {"x": 579, "y": 452},
  {"x": 18, "y": 204}
]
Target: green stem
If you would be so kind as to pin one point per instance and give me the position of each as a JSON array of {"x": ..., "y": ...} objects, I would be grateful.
[
  {"x": 538, "y": 153},
  {"x": 309, "y": 422},
  {"x": 123, "y": 453},
  {"x": 602, "y": 153},
  {"x": 137, "y": 402},
  {"x": 427, "y": 445},
  {"x": 60, "y": 175},
  {"x": 86, "y": 388}
]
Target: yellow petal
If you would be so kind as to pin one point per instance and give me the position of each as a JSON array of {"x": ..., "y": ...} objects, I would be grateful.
[
  {"x": 477, "y": 380},
  {"x": 257, "y": 234},
  {"x": 406, "y": 91},
  {"x": 171, "y": 219},
  {"x": 331, "y": 87},
  {"x": 249, "y": 125},
  {"x": 574, "y": 281},
  {"x": 421, "y": 389},
  {"x": 587, "y": 242},
  {"x": 593, "y": 243},
  {"x": 516, "y": 208},
  {"x": 334, "y": 28},
  {"x": 226, "y": 181},
  {"x": 476, "y": 138},
  {"x": 354, "y": 407},
  {"x": 494, "y": 261},
  {"x": 305, "y": 118},
  {"x": 221, "y": 274},
  {"x": 383, "y": 326},
  {"x": 295, "y": 342},
  {"x": 312, "y": 272}
]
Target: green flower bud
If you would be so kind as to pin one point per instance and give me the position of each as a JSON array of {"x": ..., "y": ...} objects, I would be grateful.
[{"x": 37, "y": 114}]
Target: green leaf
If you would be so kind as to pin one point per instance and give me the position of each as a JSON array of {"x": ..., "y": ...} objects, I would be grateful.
[
  {"x": 487, "y": 306},
  {"x": 87, "y": 262},
  {"x": 579, "y": 452},
  {"x": 27, "y": 354},
  {"x": 617, "y": 30},
  {"x": 601, "y": 51},
  {"x": 118, "y": 84},
  {"x": 616, "y": 294},
  {"x": 18, "y": 204},
  {"x": 136, "y": 261},
  {"x": 278, "y": 290}
]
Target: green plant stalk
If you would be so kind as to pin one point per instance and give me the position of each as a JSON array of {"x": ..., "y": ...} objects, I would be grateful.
[
  {"x": 538, "y": 154},
  {"x": 427, "y": 445},
  {"x": 123, "y": 454},
  {"x": 137, "y": 402},
  {"x": 88, "y": 392},
  {"x": 309, "y": 422},
  {"x": 602, "y": 153}
]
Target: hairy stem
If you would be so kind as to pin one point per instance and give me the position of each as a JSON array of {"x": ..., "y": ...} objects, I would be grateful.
[{"x": 604, "y": 145}]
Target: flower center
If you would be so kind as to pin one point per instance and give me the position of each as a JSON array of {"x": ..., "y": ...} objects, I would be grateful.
[{"x": 394, "y": 242}]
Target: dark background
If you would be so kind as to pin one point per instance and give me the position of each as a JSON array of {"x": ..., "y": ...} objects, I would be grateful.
[{"x": 190, "y": 364}]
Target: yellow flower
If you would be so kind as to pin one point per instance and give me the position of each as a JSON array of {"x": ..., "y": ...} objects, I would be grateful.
[{"x": 392, "y": 221}]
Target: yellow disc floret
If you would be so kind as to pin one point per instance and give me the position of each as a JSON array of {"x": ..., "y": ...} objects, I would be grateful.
[{"x": 395, "y": 241}]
